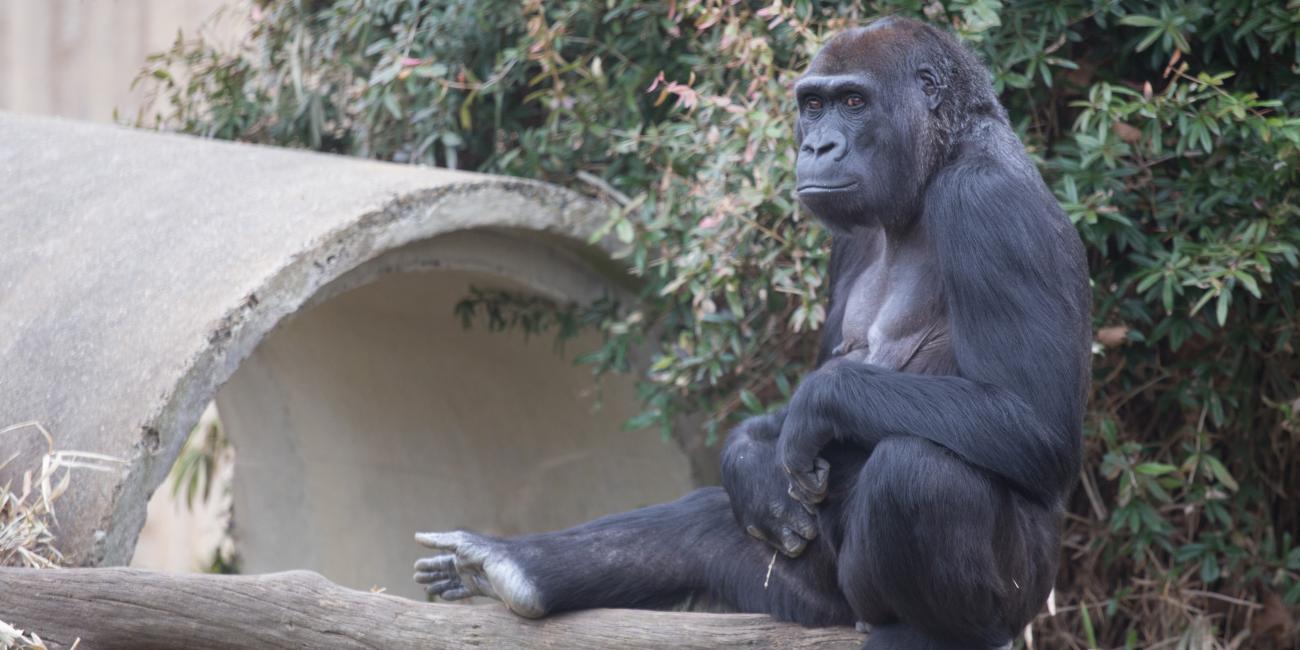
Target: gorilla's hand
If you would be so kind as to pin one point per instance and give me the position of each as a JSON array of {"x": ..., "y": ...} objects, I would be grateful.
[
  {"x": 756, "y": 487},
  {"x": 804, "y": 433}
]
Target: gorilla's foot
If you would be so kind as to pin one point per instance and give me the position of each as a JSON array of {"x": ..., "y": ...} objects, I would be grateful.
[{"x": 475, "y": 565}]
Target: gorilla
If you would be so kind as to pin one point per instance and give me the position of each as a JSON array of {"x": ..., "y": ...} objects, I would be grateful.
[{"x": 915, "y": 481}]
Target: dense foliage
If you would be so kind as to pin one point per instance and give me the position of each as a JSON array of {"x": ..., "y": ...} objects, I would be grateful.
[{"x": 1167, "y": 128}]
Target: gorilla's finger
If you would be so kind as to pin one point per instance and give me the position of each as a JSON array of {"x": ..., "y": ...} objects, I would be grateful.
[
  {"x": 443, "y": 586},
  {"x": 441, "y": 541},
  {"x": 791, "y": 544},
  {"x": 816, "y": 481},
  {"x": 803, "y": 523},
  {"x": 470, "y": 549},
  {"x": 436, "y": 564},
  {"x": 822, "y": 473},
  {"x": 804, "y": 495},
  {"x": 810, "y": 487},
  {"x": 435, "y": 576},
  {"x": 460, "y": 593},
  {"x": 767, "y": 537}
]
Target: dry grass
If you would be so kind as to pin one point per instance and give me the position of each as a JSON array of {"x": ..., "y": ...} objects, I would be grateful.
[
  {"x": 12, "y": 637},
  {"x": 27, "y": 517}
]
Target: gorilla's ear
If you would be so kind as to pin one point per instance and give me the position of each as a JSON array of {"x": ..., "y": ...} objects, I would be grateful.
[{"x": 930, "y": 85}]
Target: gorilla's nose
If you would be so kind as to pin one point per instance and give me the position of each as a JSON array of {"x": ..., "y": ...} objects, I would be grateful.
[{"x": 825, "y": 143}]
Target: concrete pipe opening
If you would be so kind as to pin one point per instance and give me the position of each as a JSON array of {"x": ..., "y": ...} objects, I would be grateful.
[{"x": 374, "y": 413}]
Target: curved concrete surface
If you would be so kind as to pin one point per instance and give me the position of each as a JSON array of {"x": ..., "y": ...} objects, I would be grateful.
[{"x": 140, "y": 271}]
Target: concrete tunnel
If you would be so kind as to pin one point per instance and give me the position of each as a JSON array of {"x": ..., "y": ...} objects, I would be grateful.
[{"x": 311, "y": 296}]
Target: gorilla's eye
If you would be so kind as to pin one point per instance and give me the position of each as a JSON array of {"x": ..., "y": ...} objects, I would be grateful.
[
  {"x": 855, "y": 101},
  {"x": 812, "y": 104}
]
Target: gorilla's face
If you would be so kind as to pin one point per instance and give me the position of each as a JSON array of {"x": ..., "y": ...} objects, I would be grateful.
[{"x": 863, "y": 131}]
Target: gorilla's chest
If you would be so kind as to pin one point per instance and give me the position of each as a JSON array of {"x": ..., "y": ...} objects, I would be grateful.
[{"x": 894, "y": 317}]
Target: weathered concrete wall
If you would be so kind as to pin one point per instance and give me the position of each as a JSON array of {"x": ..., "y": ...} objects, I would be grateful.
[
  {"x": 140, "y": 270},
  {"x": 78, "y": 58}
]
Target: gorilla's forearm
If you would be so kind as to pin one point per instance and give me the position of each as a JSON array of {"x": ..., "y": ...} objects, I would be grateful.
[{"x": 985, "y": 425}]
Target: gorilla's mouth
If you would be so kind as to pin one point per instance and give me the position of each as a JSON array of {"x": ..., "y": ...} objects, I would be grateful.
[{"x": 817, "y": 188}]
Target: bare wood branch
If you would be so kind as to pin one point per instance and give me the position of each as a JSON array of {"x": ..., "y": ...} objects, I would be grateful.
[{"x": 130, "y": 608}]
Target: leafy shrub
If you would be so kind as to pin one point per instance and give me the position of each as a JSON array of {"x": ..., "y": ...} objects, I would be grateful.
[{"x": 1167, "y": 128}]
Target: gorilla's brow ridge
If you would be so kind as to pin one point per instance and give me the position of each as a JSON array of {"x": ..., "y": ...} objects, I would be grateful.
[{"x": 836, "y": 84}]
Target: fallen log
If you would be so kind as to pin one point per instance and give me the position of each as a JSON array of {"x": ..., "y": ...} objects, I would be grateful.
[{"x": 130, "y": 608}]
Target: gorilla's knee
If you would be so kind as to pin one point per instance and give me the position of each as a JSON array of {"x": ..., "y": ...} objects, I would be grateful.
[
  {"x": 923, "y": 549},
  {"x": 916, "y": 474}
]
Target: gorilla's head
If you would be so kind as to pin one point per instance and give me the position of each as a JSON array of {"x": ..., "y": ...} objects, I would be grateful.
[{"x": 880, "y": 110}]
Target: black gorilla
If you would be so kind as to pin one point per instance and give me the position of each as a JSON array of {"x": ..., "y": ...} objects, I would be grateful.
[{"x": 918, "y": 474}]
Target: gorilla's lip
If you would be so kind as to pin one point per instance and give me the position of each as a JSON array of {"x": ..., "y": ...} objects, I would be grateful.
[{"x": 822, "y": 187}]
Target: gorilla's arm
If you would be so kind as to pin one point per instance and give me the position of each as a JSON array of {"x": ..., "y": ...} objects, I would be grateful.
[
  {"x": 1017, "y": 299},
  {"x": 987, "y": 426}
]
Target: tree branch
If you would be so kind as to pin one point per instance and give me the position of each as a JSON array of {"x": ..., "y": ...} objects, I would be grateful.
[{"x": 121, "y": 608}]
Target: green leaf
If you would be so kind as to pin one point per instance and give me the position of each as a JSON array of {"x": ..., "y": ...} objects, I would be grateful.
[
  {"x": 1221, "y": 472},
  {"x": 1189, "y": 552},
  {"x": 391, "y": 103},
  {"x": 1209, "y": 569},
  {"x": 1293, "y": 559},
  {"x": 1140, "y": 21},
  {"x": 1148, "y": 281},
  {"x": 1248, "y": 281},
  {"x": 1149, "y": 39},
  {"x": 1293, "y": 594},
  {"x": 783, "y": 385},
  {"x": 642, "y": 420},
  {"x": 1205, "y": 298},
  {"x": 1088, "y": 632},
  {"x": 623, "y": 230},
  {"x": 1154, "y": 469}
]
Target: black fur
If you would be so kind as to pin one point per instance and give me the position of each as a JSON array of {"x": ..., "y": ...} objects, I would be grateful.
[{"x": 923, "y": 497}]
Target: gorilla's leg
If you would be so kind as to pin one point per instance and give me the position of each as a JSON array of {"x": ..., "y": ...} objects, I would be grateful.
[
  {"x": 654, "y": 557},
  {"x": 938, "y": 555}
]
